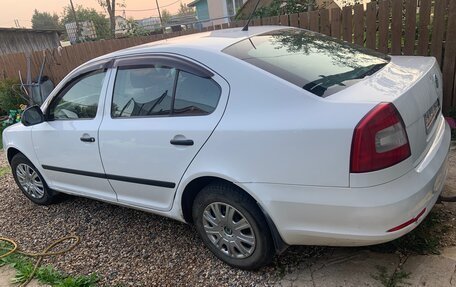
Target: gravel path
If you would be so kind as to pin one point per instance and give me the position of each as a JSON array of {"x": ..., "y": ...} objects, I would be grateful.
[{"x": 126, "y": 246}]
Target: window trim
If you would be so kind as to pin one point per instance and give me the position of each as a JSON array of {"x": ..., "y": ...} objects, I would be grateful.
[
  {"x": 68, "y": 85},
  {"x": 165, "y": 60}
]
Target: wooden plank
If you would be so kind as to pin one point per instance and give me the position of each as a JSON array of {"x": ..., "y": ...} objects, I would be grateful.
[
  {"x": 358, "y": 24},
  {"x": 410, "y": 27},
  {"x": 275, "y": 20},
  {"x": 371, "y": 25},
  {"x": 313, "y": 21},
  {"x": 224, "y": 25},
  {"x": 324, "y": 22},
  {"x": 396, "y": 27},
  {"x": 266, "y": 21},
  {"x": 449, "y": 62},
  {"x": 423, "y": 29},
  {"x": 383, "y": 25},
  {"x": 438, "y": 28},
  {"x": 284, "y": 20},
  {"x": 347, "y": 24},
  {"x": 294, "y": 20},
  {"x": 335, "y": 22},
  {"x": 304, "y": 20}
]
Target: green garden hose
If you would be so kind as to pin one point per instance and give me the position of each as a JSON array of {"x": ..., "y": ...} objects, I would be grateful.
[{"x": 40, "y": 255}]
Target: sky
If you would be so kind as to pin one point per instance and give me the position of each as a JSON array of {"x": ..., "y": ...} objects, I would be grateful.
[{"x": 22, "y": 10}]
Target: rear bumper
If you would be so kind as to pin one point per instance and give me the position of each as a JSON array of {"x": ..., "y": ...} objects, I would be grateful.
[{"x": 311, "y": 215}]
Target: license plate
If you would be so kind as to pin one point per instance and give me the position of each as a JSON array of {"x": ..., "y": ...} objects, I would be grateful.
[{"x": 431, "y": 115}]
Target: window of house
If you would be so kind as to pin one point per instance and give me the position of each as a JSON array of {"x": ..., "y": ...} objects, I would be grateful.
[
  {"x": 79, "y": 100},
  {"x": 232, "y": 6}
]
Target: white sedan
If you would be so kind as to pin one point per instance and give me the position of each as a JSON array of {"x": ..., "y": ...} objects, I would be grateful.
[{"x": 262, "y": 139}]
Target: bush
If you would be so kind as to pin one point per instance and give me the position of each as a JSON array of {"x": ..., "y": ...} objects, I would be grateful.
[{"x": 9, "y": 99}]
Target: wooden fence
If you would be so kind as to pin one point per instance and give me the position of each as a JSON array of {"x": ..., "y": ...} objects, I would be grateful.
[{"x": 397, "y": 27}]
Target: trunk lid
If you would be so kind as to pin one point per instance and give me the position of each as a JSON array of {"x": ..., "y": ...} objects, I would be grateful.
[{"x": 414, "y": 86}]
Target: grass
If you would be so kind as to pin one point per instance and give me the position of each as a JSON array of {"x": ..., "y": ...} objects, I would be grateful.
[
  {"x": 396, "y": 279},
  {"x": 1, "y": 136},
  {"x": 45, "y": 274},
  {"x": 4, "y": 170}
]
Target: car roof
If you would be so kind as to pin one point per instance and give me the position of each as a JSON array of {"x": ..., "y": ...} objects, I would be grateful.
[{"x": 214, "y": 41}]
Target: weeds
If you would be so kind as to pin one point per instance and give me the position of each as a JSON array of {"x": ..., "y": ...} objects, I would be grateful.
[
  {"x": 396, "y": 279},
  {"x": 4, "y": 170},
  {"x": 45, "y": 274},
  {"x": 422, "y": 240}
]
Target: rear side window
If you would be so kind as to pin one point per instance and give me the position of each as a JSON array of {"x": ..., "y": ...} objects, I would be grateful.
[
  {"x": 317, "y": 63},
  {"x": 195, "y": 95},
  {"x": 143, "y": 91},
  {"x": 162, "y": 91}
]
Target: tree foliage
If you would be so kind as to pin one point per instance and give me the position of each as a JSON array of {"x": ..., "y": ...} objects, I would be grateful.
[
  {"x": 281, "y": 7},
  {"x": 166, "y": 16},
  {"x": 133, "y": 29},
  {"x": 99, "y": 20},
  {"x": 110, "y": 7},
  {"x": 185, "y": 10},
  {"x": 44, "y": 20}
]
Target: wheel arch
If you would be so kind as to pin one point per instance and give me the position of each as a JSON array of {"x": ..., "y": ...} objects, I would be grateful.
[
  {"x": 11, "y": 152},
  {"x": 192, "y": 189}
]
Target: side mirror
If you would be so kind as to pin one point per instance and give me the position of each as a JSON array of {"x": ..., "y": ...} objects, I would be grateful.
[{"x": 32, "y": 116}]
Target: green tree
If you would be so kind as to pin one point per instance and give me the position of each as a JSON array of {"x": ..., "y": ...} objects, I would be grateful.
[
  {"x": 110, "y": 8},
  {"x": 185, "y": 10},
  {"x": 133, "y": 29},
  {"x": 166, "y": 16},
  {"x": 99, "y": 20},
  {"x": 44, "y": 20},
  {"x": 281, "y": 7}
]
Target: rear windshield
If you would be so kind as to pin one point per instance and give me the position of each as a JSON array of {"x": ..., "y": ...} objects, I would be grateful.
[{"x": 319, "y": 64}]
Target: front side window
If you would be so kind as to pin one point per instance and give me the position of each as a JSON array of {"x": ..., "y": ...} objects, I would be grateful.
[
  {"x": 79, "y": 100},
  {"x": 143, "y": 91}
]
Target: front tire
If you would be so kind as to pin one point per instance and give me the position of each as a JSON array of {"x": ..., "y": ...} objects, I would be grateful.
[
  {"x": 232, "y": 226},
  {"x": 30, "y": 181}
]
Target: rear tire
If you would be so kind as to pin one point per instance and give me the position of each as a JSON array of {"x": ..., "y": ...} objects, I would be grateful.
[
  {"x": 30, "y": 181},
  {"x": 232, "y": 226}
]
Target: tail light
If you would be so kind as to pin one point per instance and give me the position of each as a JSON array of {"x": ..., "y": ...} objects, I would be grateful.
[{"x": 379, "y": 140}]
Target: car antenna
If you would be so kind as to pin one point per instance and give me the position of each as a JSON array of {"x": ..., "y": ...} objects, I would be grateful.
[{"x": 246, "y": 27}]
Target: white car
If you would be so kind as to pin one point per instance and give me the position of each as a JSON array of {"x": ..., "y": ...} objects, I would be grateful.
[{"x": 262, "y": 139}]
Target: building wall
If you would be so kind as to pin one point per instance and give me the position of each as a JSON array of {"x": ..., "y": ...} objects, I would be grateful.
[
  {"x": 217, "y": 9},
  {"x": 202, "y": 11},
  {"x": 19, "y": 40}
]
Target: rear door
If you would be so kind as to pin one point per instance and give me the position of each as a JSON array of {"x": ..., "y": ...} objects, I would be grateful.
[{"x": 159, "y": 113}]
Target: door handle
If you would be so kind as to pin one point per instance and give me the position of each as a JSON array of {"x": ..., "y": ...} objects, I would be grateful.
[
  {"x": 87, "y": 139},
  {"x": 185, "y": 142}
]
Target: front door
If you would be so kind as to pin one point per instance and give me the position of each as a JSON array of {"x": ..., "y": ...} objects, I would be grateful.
[
  {"x": 67, "y": 143},
  {"x": 158, "y": 117}
]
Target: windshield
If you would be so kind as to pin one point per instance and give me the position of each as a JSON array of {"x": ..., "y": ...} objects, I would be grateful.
[{"x": 317, "y": 63}]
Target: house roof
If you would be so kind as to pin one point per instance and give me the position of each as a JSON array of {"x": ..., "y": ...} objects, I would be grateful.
[
  {"x": 193, "y": 3},
  {"x": 31, "y": 30}
]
